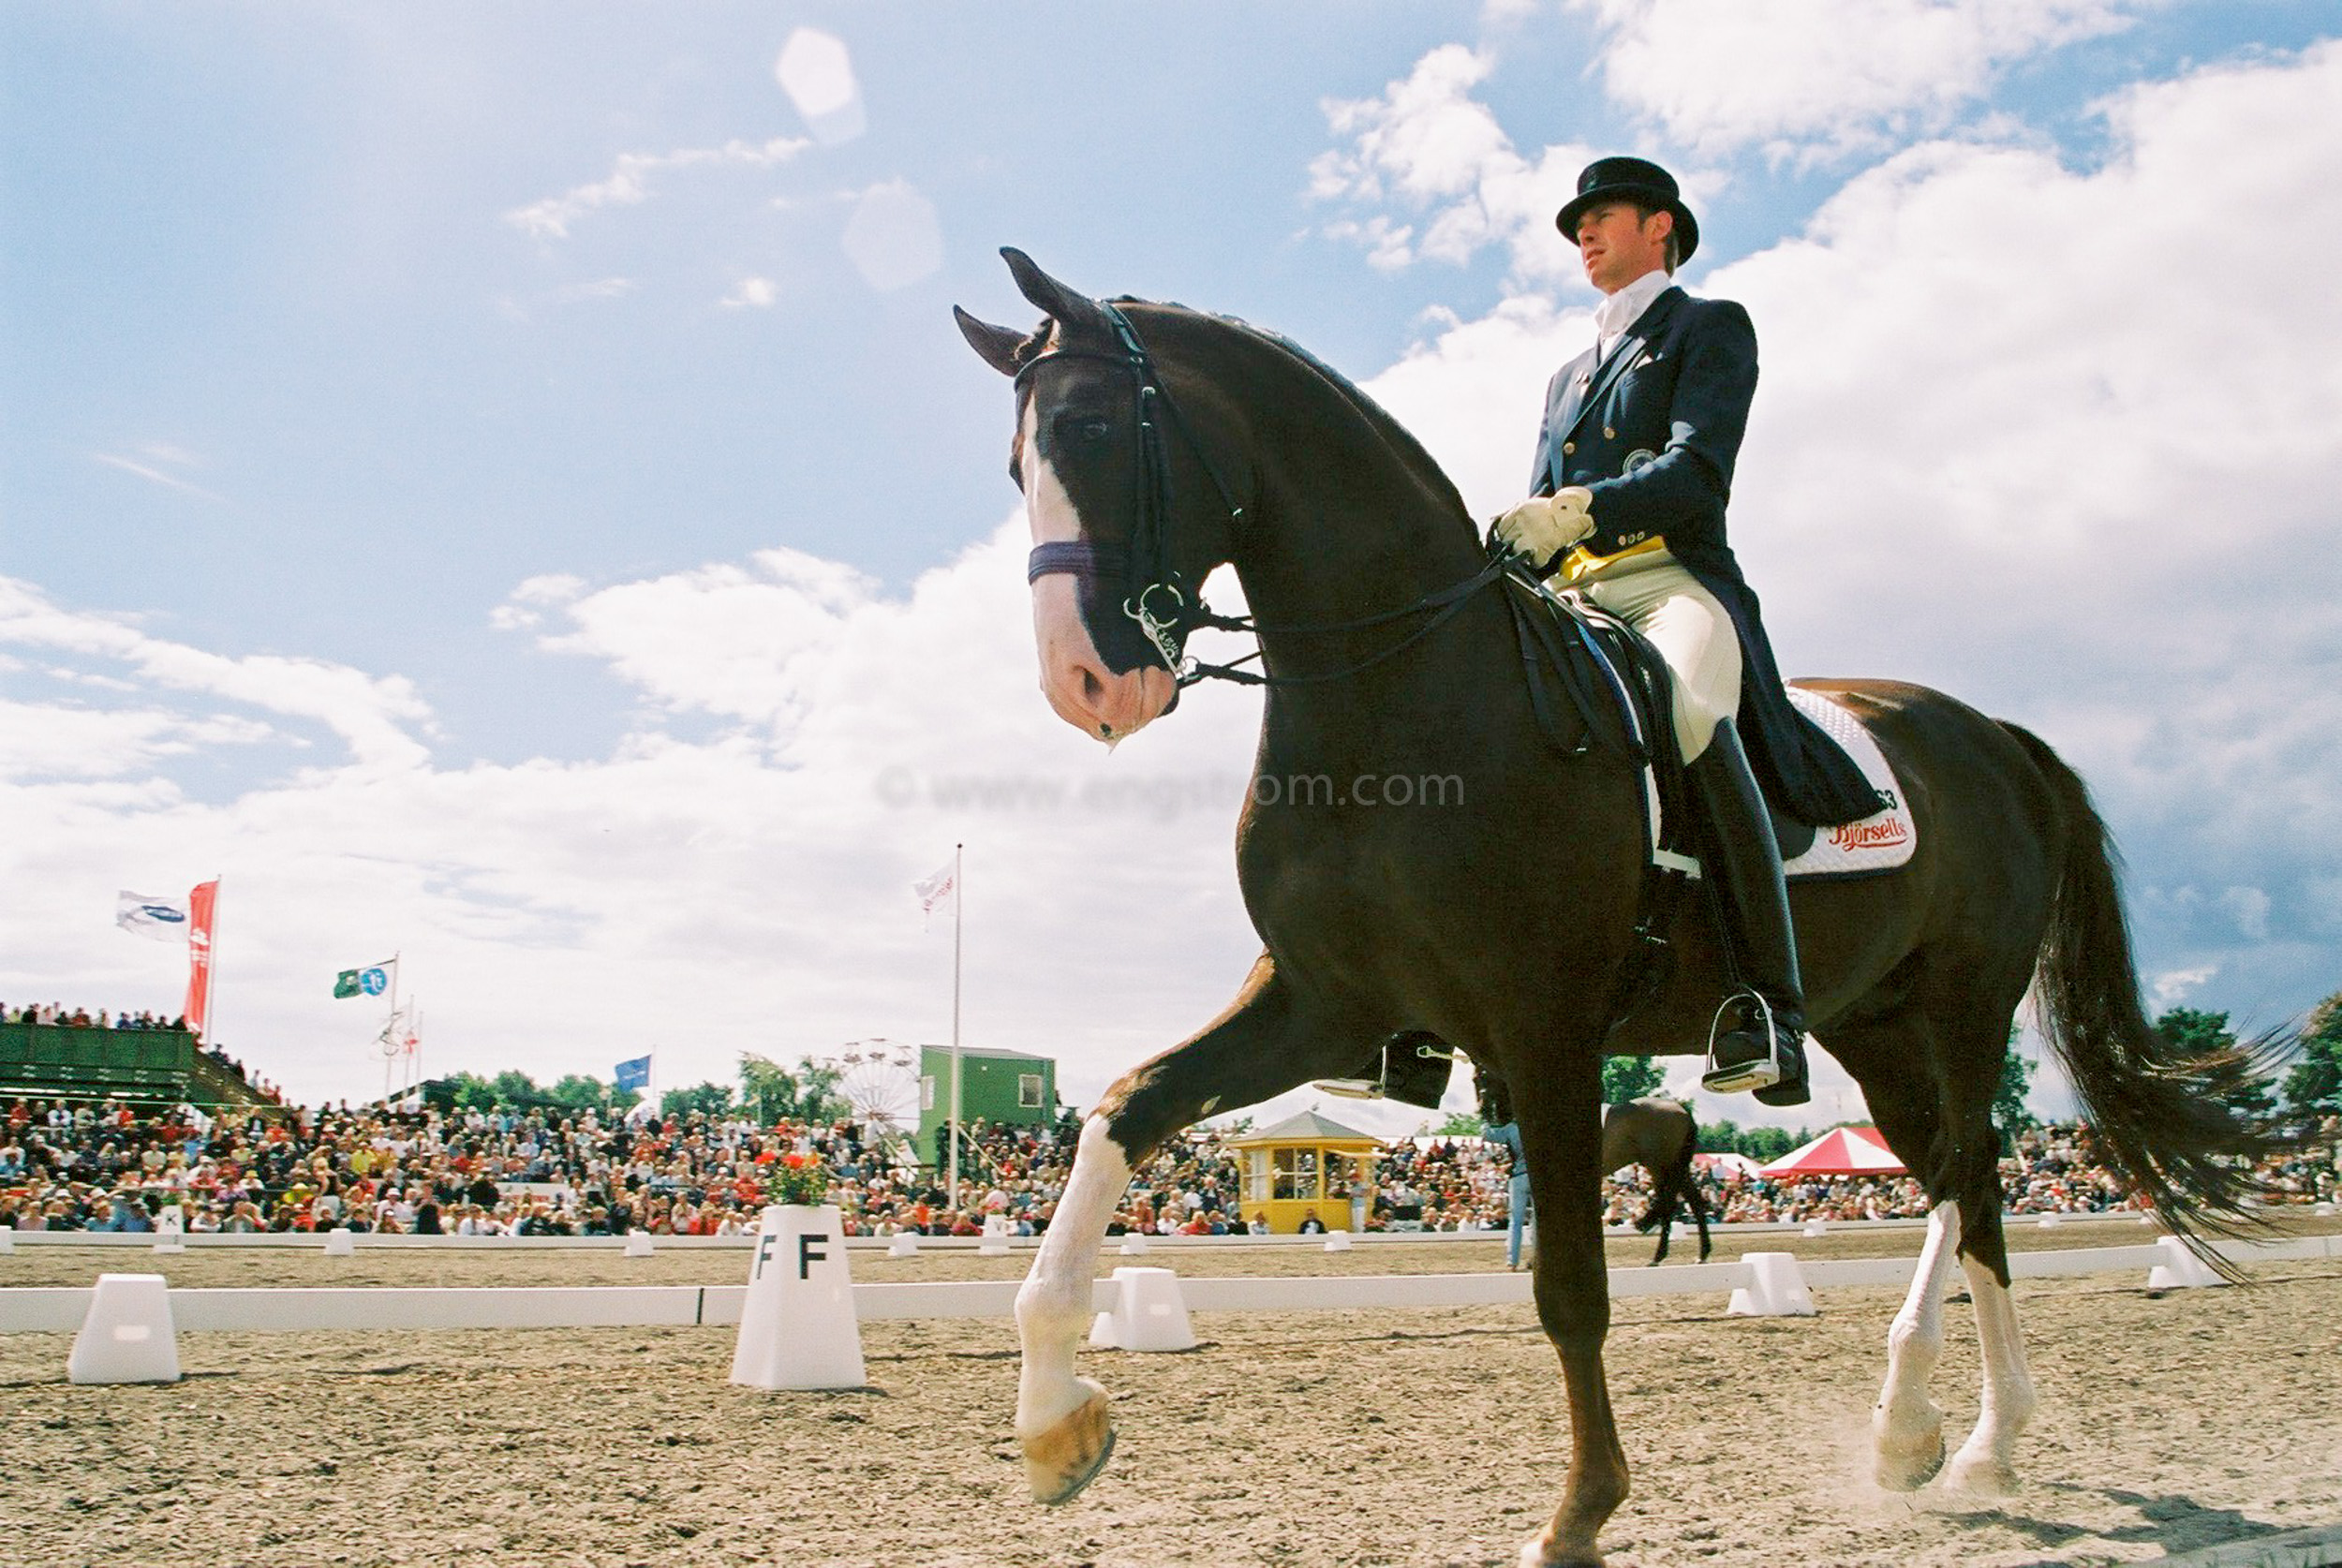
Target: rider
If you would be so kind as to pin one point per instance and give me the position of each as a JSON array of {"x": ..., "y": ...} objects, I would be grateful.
[{"x": 1634, "y": 468}]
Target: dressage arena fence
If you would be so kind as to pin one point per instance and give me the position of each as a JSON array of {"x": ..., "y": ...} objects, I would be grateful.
[{"x": 1760, "y": 1284}]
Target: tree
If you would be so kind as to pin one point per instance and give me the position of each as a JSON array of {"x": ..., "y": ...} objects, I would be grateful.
[
  {"x": 2009, "y": 1110},
  {"x": 772, "y": 1092},
  {"x": 2313, "y": 1086},
  {"x": 713, "y": 1099},
  {"x": 1625, "y": 1078},
  {"x": 1759, "y": 1143},
  {"x": 2207, "y": 1036},
  {"x": 575, "y": 1092},
  {"x": 1461, "y": 1124}
]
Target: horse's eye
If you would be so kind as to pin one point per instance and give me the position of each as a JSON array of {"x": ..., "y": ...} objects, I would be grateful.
[{"x": 1088, "y": 429}]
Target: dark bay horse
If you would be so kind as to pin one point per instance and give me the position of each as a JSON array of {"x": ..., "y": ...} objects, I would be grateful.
[
  {"x": 1155, "y": 443},
  {"x": 1660, "y": 1135}
]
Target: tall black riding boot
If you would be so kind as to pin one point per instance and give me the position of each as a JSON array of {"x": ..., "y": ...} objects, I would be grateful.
[{"x": 1744, "y": 866}]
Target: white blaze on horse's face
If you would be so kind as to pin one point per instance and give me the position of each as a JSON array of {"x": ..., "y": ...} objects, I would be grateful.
[{"x": 1085, "y": 693}]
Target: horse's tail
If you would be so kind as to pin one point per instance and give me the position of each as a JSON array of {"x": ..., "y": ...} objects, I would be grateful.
[
  {"x": 2155, "y": 1111},
  {"x": 1671, "y": 1179}
]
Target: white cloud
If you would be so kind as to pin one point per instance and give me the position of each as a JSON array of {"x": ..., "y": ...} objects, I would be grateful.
[
  {"x": 55, "y": 740},
  {"x": 757, "y": 293},
  {"x": 1430, "y": 149},
  {"x": 1826, "y": 75},
  {"x": 2175, "y": 986},
  {"x": 630, "y": 181},
  {"x": 157, "y": 471},
  {"x": 371, "y": 715}
]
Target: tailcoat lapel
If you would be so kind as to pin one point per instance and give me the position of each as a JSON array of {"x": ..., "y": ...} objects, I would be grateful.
[{"x": 1648, "y": 326}]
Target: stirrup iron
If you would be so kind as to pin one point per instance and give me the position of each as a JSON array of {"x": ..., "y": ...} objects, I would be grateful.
[{"x": 1758, "y": 1071}]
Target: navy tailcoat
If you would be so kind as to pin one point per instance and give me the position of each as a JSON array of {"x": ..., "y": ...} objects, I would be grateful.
[{"x": 1653, "y": 431}]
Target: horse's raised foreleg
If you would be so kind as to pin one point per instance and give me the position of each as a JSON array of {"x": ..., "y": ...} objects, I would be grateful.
[
  {"x": 1985, "y": 1462},
  {"x": 1254, "y": 1050},
  {"x": 1906, "y": 1429},
  {"x": 1561, "y": 1130}
]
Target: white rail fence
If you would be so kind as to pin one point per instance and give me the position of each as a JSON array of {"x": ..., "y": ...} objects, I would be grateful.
[{"x": 63, "y": 1308}]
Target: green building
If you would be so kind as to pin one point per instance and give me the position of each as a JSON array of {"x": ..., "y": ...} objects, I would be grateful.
[{"x": 994, "y": 1087}]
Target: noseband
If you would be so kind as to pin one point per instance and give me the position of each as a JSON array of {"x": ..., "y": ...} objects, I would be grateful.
[{"x": 1155, "y": 597}]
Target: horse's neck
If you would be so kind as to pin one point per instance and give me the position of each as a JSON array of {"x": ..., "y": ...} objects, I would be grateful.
[{"x": 1340, "y": 547}]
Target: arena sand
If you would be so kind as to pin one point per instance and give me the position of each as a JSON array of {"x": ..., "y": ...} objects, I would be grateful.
[{"x": 1425, "y": 1438}]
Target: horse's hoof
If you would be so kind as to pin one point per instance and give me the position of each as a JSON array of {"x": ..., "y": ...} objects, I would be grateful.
[
  {"x": 1908, "y": 1466},
  {"x": 1063, "y": 1460},
  {"x": 1980, "y": 1475},
  {"x": 1542, "y": 1551}
]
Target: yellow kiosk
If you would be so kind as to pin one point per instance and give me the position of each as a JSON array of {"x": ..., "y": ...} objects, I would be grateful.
[{"x": 1304, "y": 1164}]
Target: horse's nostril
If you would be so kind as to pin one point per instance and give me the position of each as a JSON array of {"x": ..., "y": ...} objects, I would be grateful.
[{"x": 1091, "y": 685}]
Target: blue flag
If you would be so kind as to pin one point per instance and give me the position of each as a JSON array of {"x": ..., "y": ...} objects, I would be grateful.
[{"x": 634, "y": 1074}]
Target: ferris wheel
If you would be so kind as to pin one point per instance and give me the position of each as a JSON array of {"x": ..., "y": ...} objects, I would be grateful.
[{"x": 880, "y": 1079}]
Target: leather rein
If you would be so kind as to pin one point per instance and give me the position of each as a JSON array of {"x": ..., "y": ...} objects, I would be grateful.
[{"x": 1156, "y": 597}]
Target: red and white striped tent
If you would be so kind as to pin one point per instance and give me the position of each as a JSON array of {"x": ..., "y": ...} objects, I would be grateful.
[{"x": 1840, "y": 1152}]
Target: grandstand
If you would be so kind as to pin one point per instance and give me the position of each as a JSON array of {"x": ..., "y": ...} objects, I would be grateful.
[{"x": 136, "y": 1066}]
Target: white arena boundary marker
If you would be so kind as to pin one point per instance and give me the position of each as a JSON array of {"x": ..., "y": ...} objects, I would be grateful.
[{"x": 61, "y": 1309}]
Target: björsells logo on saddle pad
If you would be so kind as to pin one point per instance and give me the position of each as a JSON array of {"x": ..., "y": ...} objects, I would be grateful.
[{"x": 1878, "y": 843}]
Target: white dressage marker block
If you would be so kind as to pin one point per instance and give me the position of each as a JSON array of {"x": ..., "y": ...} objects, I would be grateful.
[
  {"x": 2180, "y": 1269},
  {"x": 1775, "y": 1289},
  {"x": 341, "y": 1243},
  {"x": 995, "y": 1242},
  {"x": 1816, "y": 1227},
  {"x": 127, "y": 1336},
  {"x": 2048, "y": 1221},
  {"x": 1149, "y": 1313},
  {"x": 905, "y": 1245},
  {"x": 1133, "y": 1245},
  {"x": 2321, "y": 1210},
  {"x": 1337, "y": 1241},
  {"x": 8, "y": 1241},
  {"x": 797, "y": 1326},
  {"x": 171, "y": 1230},
  {"x": 638, "y": 1244}
]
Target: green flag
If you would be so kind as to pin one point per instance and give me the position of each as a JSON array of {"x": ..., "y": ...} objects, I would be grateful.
[{"x": 372, "y": 981}]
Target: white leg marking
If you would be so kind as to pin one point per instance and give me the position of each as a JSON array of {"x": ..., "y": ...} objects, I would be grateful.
[
  {"x": 1985, "y": 1462},
  {"x": 1053, "y": 1307},
  {"x": 1906, "y": 1429}
]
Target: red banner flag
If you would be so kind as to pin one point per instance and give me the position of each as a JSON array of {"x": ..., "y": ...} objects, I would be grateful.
[{"x": 201, "y": 902}]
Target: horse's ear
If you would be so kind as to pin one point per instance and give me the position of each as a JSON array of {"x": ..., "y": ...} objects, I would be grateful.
[
  {"x": 1070, "y": 308},
  {"x": 995, "y": 345}
]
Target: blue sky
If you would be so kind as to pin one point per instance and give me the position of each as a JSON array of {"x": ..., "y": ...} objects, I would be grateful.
[{"x": 501, "y": 483}]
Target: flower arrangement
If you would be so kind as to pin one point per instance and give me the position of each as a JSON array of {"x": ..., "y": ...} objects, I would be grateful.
[{"x": 797, "y": 1178}]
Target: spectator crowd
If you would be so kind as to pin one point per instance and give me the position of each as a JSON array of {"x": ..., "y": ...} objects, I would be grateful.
[{"x": 102, "y": 1167}]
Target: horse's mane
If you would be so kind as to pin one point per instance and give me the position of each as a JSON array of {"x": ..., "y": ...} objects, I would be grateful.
[{"x": 1397, "y": 437}]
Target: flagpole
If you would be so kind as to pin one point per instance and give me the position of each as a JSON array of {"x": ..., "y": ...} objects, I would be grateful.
[
  {"x": 959, "y": 924},
  {"x": 390, "y": 1058}
]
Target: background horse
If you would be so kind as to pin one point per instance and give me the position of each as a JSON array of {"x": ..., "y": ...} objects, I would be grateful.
[
  {"x": 1154, "y": 444},
  {"x": 1660, "y": 1135}
]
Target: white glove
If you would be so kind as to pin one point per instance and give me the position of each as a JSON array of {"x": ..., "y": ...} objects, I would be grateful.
[{"x": 1542, "y": 527}]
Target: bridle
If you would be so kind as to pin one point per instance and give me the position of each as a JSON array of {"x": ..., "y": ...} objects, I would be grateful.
[{"x": 1162, "y": 604}]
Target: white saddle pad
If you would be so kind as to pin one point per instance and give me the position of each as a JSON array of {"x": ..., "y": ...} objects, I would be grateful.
[{"x": 1877, "y": 843}]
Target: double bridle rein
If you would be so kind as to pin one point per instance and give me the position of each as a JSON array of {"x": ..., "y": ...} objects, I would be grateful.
[{"x": 1166, "y": 609}]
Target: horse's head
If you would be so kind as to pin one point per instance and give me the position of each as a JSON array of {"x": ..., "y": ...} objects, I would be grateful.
[{"x": 1127, "y": 515}]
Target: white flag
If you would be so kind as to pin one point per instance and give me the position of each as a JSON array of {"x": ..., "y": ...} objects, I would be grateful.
[
  {"x": 939, "y": 893},
  {"x": 166, "y": 920}
]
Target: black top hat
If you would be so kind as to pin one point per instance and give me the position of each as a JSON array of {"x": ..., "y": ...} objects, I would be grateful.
[{"x": 1624, "y": 179}]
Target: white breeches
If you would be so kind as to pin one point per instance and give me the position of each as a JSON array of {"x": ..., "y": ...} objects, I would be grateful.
[{"x": 1684, "y": 621}]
